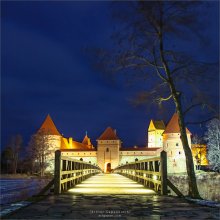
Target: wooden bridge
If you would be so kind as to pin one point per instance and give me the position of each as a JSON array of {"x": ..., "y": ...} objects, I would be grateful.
[{"x": 150, "y": 173}]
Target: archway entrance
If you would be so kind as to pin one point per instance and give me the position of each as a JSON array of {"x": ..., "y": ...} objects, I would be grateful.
[{"x": 108, "y": 168}]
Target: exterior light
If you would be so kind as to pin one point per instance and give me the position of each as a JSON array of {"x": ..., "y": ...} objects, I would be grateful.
[{"x": 154, "y": 177}]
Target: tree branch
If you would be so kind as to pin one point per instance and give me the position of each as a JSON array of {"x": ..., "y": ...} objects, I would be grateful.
[
  {"x": 202, "y": 122},
  {"x": 192, "y": 106},
  {"x": 160, "y": 100}
]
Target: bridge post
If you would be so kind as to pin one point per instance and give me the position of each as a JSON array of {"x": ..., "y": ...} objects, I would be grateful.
[
  {"x": 163, "y": 170},
  {"x": 57, "y": 172}
]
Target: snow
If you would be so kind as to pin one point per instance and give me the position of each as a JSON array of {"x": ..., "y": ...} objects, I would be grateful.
[
  {"x": 15, "y": 191},
  {"x": 12, "y": 207},
  {"x": 204, "y": 202},
  {"x": 208, "y": 185}
]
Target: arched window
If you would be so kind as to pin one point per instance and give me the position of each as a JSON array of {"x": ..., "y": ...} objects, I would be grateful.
[
  {"x": 81, "y": 159},
  {"x": 136, "y": 160},
  {"x": 107, "y": 150}
]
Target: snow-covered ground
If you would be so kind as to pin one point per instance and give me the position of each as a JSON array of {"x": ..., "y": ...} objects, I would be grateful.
[
  {"x": 208, "y": 185},
  {"x": 13, "y": 190}
]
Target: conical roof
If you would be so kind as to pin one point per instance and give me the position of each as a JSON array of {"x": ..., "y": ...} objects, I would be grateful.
[
  {"x": 159, "y": 124},
  {"x": 173, "y": 125},
  {"x": 85, "y": 140},
  {"x": 48, "y": 127},
  {"x": 108, "y": 134}
]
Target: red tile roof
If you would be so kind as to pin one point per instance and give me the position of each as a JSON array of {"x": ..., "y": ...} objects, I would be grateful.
[
  {"x": 48, "y": 127},
  {"x": 108, "y": 134},
  {"x": 75, "y": 146},
  {"x": 173, "y": 125},
  {"x": 86, "y": 140}
]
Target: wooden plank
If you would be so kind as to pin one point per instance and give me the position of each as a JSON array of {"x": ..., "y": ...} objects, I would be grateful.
[
  {"x": 57, "y": 172},
  {"x": 178, "y": 193},
  {"x": 46, "y": 188},
  {"x": 163, "y": 170}
]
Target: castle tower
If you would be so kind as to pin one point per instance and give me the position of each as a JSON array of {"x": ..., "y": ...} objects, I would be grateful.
[
  {"x": 173, "y": 146},
  {"x": 108, "y": 145},
  {"x": 155, "y": 131},
  {"x": 87, "y": 141},
  {"x": 52, "y": 140}
]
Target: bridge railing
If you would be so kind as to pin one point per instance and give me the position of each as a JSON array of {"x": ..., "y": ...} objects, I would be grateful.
[
  {"x": 69, "y": 172},
  {"x": 152, "y": 172}
]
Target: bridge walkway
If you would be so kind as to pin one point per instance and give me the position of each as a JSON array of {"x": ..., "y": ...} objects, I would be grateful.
[
  {"x": 111, "y": 196},
  {"x": 106, "y": 184}
]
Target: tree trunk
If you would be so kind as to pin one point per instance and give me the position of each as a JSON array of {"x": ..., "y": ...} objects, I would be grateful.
[{"x": 193, "y": 190}]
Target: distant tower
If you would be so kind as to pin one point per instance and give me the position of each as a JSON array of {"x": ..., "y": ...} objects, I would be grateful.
[
  {"x": 155, "y": 132},
  {"x": 87, "y": 141},
  {"x": 173, "y": 145},
  {"x": 53, "y": 139},
  {"x": 108, "y": 150}
]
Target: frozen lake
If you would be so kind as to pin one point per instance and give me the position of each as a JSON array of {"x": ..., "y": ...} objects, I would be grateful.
[{"x": 13, "y": 190}]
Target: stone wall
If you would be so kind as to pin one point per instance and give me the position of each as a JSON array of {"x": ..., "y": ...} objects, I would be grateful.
[{"x": 208, "y": 185}]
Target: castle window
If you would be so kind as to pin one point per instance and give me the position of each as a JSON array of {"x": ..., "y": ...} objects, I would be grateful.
[
  {"x": 107, "y": 150},
  {"x": 177, "y": 144},
  {"x": 81, "y": 159},
  {"x": 90, "y": 153},
  {"x": 179, "y": 152},
  {"x": 84, "y": 153},
  {"x": 141, "y": 152}
]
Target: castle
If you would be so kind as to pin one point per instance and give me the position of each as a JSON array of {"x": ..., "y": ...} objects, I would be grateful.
[{"x": 109, "y": 152}]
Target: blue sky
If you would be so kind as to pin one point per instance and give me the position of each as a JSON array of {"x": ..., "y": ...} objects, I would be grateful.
[{"x": 45, "y": 69}]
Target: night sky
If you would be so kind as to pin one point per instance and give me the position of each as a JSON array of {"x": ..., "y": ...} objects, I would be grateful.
[{"x": 45, "y": 69}]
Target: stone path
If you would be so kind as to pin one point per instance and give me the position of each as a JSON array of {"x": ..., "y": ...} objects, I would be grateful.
[{"x": 99, "y": 203}]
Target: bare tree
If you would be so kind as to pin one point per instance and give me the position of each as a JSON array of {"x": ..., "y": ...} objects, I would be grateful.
[
  {"x": 15, "y": 146},
  {"x": 6, "y": 159},
  {"x": 147, "y": 49},
  {"x": 213, "y": 142},
  {"x": 39, "y": 151}
]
